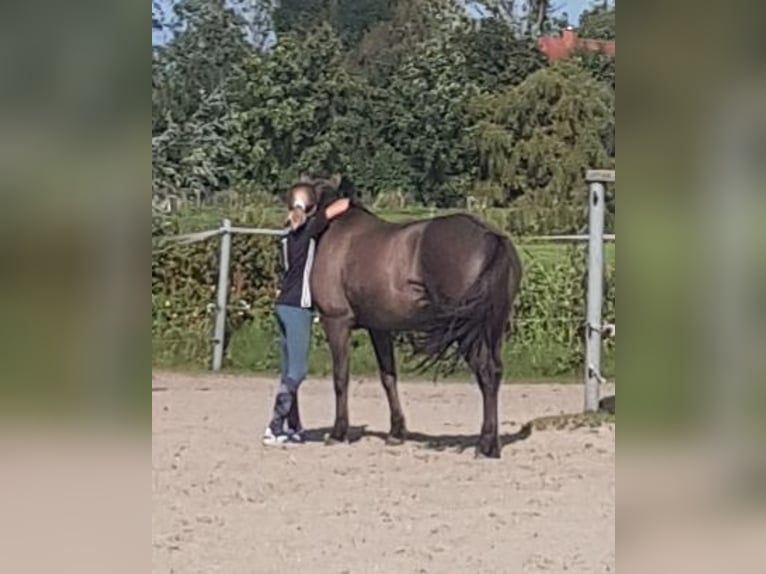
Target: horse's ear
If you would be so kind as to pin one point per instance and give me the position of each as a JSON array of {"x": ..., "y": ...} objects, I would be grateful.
[
  {"x": 335, "y": 180},
  {"x": 305, "y": 178}
]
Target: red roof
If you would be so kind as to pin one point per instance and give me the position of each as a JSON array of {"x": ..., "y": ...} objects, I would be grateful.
[{"x": 559, "y": 48}]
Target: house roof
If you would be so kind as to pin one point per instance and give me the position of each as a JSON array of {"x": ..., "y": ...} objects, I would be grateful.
[{"x": 559, "y": 48}]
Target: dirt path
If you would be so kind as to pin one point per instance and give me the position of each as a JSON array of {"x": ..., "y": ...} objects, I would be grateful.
[{"x": 223, "y": 503}]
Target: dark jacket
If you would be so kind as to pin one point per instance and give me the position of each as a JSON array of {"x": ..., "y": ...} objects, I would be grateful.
[{"x": 298, "y": 249}]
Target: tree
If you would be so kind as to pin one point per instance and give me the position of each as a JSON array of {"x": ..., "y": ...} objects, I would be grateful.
[
  {"x": 537, "y": 139},
  {"x": 426, "y": 120},
  {"x": 207, "y": 52},
  {"x": 598, "y": 22},
  {"x": 495, "y": 57},
  {"x": 196, "y": 158},
  {"x": 194, "y": 77},
  {"x": 529, "y": 18},
  {"x": 300, "y": 110},
  {"x": 385, "y": 46},
  {"x": 398, "y": 112},
  {"x": 258, "y": 17},
  {"x": 158, "y": 16},
  {"x": 350, "y": 19},
  {"x": 292, "y": 16},
  {"x": 600, "y": 66}
]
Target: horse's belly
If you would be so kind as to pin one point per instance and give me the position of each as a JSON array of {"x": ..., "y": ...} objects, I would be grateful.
[{"x": 392, "y": 310}]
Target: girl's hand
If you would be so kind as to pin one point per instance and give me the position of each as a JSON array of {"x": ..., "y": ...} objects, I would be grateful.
[
  {"x": 296, "y": 218},
  {"x": 337, "y": 207}
]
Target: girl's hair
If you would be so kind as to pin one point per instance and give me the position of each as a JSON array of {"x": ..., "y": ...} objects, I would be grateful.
[
  {"x": 310, "y": 193},
  {"x": 297, "y": 216}
]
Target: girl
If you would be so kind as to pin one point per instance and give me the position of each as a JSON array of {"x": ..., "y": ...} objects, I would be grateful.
[{"x": 294, "y": 306}]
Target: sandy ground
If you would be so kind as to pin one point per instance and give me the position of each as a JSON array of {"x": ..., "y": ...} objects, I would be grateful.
[{"x": 224, "y": 503}]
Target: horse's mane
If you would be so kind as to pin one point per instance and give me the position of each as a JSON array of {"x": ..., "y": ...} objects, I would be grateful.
[{"x": 330, "y": 188}]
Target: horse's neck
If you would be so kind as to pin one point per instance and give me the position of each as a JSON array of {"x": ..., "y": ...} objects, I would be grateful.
[{"x": 363, "y": 214}]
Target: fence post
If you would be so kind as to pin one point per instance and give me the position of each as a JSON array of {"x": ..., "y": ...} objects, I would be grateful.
[
  {"x": 222, "y": 296},
  {"x": 596, "y": 180}
]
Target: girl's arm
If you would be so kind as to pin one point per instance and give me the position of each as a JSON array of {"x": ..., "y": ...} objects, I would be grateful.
[{"x": 321, "y": 220}]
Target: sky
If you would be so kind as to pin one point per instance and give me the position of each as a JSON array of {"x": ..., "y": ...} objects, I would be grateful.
[{"x": 573, "y": 8}]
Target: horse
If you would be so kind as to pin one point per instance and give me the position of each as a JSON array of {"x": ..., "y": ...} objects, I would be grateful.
[{"x": 450, "y": 281}]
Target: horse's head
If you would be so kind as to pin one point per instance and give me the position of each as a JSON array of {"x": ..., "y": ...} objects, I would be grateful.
[
  {"x": 311, "y": 193},
  {"x": 325, "y": 188}
]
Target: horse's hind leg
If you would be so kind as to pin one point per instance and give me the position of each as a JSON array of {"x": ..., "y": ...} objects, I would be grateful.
[
  {"x": 487, "y": 367},
  {"x": 383, "y": 344},
  {"x": 338, "y": 332}
]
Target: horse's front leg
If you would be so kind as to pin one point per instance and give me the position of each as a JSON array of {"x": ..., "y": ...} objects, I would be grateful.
[{"x": 338, "y": 332}]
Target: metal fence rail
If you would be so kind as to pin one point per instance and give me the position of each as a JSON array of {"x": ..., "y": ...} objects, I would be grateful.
[{"x": 595, "y": 239}]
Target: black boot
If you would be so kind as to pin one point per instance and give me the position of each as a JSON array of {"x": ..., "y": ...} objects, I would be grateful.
[{"x": 282, "y": 405}]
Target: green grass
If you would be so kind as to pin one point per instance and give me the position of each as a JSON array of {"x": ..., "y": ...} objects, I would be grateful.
[{"x": 253, "y": 350}]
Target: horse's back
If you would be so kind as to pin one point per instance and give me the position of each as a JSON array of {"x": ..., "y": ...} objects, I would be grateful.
[{"x": 387, "y": 275}]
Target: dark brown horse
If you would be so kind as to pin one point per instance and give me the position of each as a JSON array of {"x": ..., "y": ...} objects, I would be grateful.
[{"x": 450, "y": 280}]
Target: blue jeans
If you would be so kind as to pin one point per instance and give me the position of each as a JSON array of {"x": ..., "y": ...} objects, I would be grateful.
[{"x": 295, "y": 336}]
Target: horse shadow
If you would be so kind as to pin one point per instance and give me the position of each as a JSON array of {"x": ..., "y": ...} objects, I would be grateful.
[{"x": 436, "y": 442}]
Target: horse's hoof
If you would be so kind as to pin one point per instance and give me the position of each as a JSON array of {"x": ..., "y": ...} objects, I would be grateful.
[
  {"x": 490, "y": 455},
  {"x": 488, "y": 451},
  {"x": 394, "y": 441},
  {"x": 329, "y": 440}
]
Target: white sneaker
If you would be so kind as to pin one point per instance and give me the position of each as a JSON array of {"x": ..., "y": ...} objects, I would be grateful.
[{"x": 270, "y": 439}]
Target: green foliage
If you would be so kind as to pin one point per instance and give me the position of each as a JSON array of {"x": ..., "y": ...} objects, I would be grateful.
[
  {"x": 354, "y": 18},
  {"x": 183, "y": 291},
  {"x": 426, "y": 120},
  {"x": 349, "y": 19},
  {"x": 387, "y": 43},
  {"x": 298, "y": 15},
  {"x": 529, "y": 18},
  {"x": 301, "y": 110},
  {"x": 208, "y": 53},
  {"x": 495, "y": 58},
  {"x": 535, "y": 140},
  {"x": 396, "y": 111},
  {"x": 600, "y": 66},
  {"x": 598, "y": 22}
]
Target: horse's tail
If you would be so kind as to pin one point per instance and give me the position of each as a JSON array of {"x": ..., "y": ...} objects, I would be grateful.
[{"x": 475, "y": 324}]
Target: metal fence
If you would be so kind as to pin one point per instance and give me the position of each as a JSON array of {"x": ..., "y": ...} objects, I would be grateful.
[
  {"x": 595, "y": 239},
  {"x": 594, "y": 327}
]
